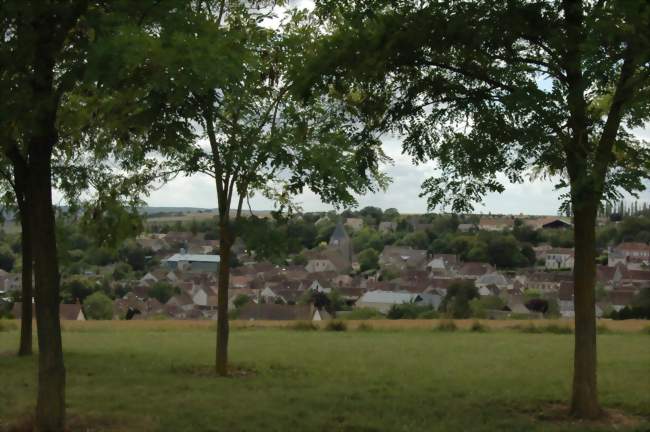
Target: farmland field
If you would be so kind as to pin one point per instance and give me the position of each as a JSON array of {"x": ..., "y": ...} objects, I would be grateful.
[{"x": 156, "y": 376}]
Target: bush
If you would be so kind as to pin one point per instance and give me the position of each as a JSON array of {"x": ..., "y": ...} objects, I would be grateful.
[
  {"x": 304, "y": 326},
  {"x": 548, "y": 328},
  {"x": 478, "y": 327},
  {"x": 428, "y": 314},
  {"x": 362, "y": 314},
  {"x": 336, "y": 325},
  {"x": 364, "y": 327},
  {"x": 446, "y": 326},
  {"x": 98, "y": 307},
  {"x": 408, "y": 311}
]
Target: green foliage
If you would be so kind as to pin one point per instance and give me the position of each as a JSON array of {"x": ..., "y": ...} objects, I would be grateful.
[
  {"x": 98, "y": 306},
  {"x": 336, "y": 326},
  {"x": 362, "y": 314},
  {"x": 479, "y": 306},
  {"x": 477, "y": 327},
  {"x": 7, "y": 258},
  {"x": 364, "y": 327},
  {"x": 368, "y": 259},
  {"x": 76, "y": 288},
  {"x": 162, "y": 291},
  {"x": 304, "y": 326},
  {"x": 456, "y": 302},
  {"x": 241, "y": 300},
  {"x": 547, "y": 328},
  {"x": 446, "y": 325},
  {"x": 410, "y": 311}
]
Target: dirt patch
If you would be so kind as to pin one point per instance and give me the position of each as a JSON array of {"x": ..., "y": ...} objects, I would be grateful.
[
  {"x": 234, "y": 371},
  {"x": 612, "y": 419}
]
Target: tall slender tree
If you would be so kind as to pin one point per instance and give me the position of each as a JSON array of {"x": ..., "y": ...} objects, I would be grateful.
[
  {"x": 14, "y": 180},
  {"x": 515, "y": 88},
  {"x": 52, "y": 55},
  {"x": 252, "y": 134}
]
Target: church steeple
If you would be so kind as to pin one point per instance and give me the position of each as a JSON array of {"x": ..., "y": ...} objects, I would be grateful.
[{"x": 340, "y": 240}]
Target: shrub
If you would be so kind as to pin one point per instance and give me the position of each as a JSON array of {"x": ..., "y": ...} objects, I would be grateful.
[
  {"x": 304, "y": 326},
  {"x": 98, "y": 306},
  {"x": 429, "y": 314},
  {"x": 362, "y": 314},
  {"x": 446, "y": 326},
  {"x": 364, "y": 327},
  {"x": 548, "y": 328},
  {"x": 336, "y": 325},
  {"x": 477, "y": 327},
  {"x": 408, "y": 311}
]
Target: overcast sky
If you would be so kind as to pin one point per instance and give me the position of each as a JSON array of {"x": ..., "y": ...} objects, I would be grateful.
[{"x": 536, "y": 197}]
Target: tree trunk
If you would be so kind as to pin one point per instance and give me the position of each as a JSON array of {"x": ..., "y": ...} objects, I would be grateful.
[
  {"x": 25, "y": 348},
  {"x": 584, "y": 400},
  {"x": 50, "y": 405},
  {"x": 225, "y": 245}
]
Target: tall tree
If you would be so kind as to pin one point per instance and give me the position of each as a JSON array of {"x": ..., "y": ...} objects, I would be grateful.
[
  {"x": 252, "y": 135},
  {"x": 53, "y": 54},
  {"x": 14, "y": 182},
  {"x": 513, "y": 88}
]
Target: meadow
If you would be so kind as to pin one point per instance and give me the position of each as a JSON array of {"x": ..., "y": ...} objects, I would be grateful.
[{"x": 157, "y": 376}]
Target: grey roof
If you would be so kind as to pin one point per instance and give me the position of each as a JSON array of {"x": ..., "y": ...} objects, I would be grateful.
[
  {"x": 193, "y": 258},
  {"x": 389, "y": 297},
  {"x": 339, "y": 233},
  {"x": 492, "y": 279}
]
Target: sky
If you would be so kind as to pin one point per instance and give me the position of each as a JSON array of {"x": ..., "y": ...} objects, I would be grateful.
[{"x": 534, "y": 198}]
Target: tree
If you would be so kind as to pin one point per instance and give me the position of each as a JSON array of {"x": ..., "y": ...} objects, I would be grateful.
[
  {"x": 49, "y": 52},
  {"x": 457, "y": 299},
  {"x": 98, "y": 306},
  {"x": 162, "y": 291},
  {"x": 368, "y": 259},
  {"x": 235, "y": 90},
  {"x": 7, "y": 259},
  {"x": 550, "y": 88}
]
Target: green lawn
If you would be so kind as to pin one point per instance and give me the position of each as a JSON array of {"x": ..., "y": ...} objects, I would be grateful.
[{"x": 415, "y": 380}]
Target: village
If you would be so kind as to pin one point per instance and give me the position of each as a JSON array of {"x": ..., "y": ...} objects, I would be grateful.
[{"x": 335, "y": 280}]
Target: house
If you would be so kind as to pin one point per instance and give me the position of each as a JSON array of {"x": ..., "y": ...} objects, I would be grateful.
[
  {"x": 67, "y": 312},
  {"x": 193, "y": 262},
  {"x": 278, "y": 312},
  {"x": 496, "y": 224},
  {"x": 634, "y": 255},
  {"x": 387, "y": 226},
  {"x": 328, "y": 260},
  {"x": 488, "y": 282},
  {"x": 559, "y": 259},
  {"x": 384, "y": 300},
  {"x": 473, "y": 270},
  {"x": 551, "y": 222},
  {"x": 402, "y": 258},
  {"x": 443, "y": 262},
  {"x": 541, "y": 251},
  {"x": 466, "y": 227},
  {"x": 355, "y": 224}
]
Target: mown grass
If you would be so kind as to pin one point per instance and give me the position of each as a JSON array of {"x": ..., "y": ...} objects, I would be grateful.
[{"x": 160, "y": 379}]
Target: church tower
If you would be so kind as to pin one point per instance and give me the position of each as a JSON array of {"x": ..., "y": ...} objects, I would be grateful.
[{"x": 340, "y": 240}]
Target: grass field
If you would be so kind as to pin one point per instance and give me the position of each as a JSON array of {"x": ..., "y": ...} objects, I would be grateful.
[{"x": 156, "y": 376}]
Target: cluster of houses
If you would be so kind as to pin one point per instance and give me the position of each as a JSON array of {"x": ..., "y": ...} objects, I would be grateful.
[
  {"x": 283, "y": 292},
  {"x": 262, "y": 291}
]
